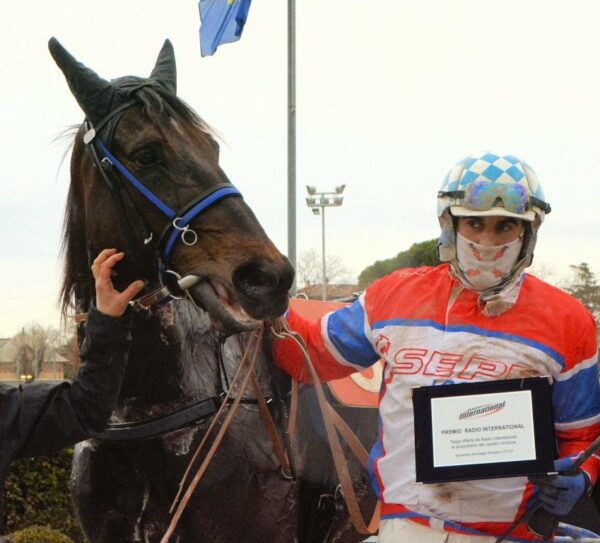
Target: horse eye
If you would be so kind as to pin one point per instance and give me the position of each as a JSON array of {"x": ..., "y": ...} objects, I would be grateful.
[{"x": 146, "y": 156}]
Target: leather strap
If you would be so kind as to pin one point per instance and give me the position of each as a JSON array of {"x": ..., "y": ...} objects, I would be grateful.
[
  {"x": 249, "y": 365},
  {"x": 161, "y": 425},
  {"x": 350, "y": 437},
  {"x": 293, "y": 412},
  {"x": 272, "y": 430},
  {"x": 281, "y": 330}
]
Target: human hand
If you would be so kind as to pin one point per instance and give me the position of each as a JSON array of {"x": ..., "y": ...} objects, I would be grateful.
[
  {"x": 110, "y": 301},
  {"x": 560, "y": 493}
]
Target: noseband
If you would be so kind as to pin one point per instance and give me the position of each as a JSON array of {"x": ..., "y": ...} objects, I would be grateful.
[{"x": 178, "y": 225}]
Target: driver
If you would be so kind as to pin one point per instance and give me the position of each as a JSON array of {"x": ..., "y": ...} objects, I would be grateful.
[
  {"x": 41, "y": 418},
  {"x": 476, "y": 317}
]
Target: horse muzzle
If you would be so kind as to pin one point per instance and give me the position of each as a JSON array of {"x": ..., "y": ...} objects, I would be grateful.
[{"x": 262, "y": 287}]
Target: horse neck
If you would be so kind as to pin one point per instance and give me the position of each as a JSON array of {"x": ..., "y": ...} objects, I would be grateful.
[{"x": 173, "y": 360}]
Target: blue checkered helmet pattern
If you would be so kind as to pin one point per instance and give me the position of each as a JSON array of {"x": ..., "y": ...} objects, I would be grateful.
[
  {"x": 485, "y": 184},
  {"x": 496, "y": 173}
]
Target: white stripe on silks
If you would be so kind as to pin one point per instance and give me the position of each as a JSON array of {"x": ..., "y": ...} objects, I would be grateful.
[
  {"x": 577, "y": 424},
  {"x": 583, "y": 365},
  {"x": 332, "y": 348},
  {"x": 367, "y": 326}
]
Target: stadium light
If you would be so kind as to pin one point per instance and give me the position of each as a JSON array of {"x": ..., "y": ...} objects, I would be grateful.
[{"x": 317, "y": 202}]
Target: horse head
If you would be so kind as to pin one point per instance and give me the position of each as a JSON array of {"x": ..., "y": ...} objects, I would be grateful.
[{"x": 145, "y": 178}]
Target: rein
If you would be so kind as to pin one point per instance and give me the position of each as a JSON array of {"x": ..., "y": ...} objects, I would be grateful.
[
  {"x": 334, "y": 424},
  {"x": 177, "y": 509}
]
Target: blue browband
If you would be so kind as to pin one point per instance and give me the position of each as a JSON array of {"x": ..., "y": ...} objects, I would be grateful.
[{"x": 179, "y": 225}]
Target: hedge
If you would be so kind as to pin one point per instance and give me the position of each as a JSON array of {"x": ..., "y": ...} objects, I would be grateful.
[
  {"x": 37, "y": 493},
  {"x": 38, "y": 534}
]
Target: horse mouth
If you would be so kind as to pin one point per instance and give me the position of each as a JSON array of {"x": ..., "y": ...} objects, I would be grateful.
[{"x": 225, "y": 313}]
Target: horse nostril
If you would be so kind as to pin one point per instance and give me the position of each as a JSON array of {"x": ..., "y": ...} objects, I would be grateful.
[{"x": 255, "y": 278}]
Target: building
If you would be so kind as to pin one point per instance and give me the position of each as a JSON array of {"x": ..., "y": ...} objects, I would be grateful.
[{"x": 17, "y": 363}]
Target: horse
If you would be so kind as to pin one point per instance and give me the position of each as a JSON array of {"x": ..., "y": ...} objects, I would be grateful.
[{"x": 145, "y": 178}]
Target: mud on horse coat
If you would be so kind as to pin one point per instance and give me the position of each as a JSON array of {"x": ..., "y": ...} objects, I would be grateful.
[{"x": 145, "y": 178}]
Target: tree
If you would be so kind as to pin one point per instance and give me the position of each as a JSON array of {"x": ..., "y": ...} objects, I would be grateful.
[
  {"x": 309, "y": 269},
  {"x": 546, "y": 273},
  {"x": 423, "y": 253},
  {"x": 34, "y": 344},
  {"x": 584, "y": 286}
]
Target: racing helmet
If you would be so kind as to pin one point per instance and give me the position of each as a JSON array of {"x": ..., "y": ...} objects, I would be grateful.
[{"x": 490, "y": 184}]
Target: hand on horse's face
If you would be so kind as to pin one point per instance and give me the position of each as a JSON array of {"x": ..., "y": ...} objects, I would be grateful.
[{"x": 110, "y": 301}]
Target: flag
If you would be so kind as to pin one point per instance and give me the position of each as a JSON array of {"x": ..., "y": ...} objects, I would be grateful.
[{"x": 221, "y": 21}]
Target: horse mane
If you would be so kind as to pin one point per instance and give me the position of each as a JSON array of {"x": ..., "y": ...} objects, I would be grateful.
[{"x": 75, "y": 293}]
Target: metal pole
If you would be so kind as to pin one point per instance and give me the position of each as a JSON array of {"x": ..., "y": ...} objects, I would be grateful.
[
  {"x": 324, "y": 283},
  {"x": 292, "y": 136}
]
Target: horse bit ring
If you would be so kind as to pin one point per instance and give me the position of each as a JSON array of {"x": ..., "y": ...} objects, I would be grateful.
[{"x": 186, "y": 230}]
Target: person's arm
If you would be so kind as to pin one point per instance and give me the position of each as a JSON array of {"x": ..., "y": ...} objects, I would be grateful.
[
  {"x": 338, "y": 344},
  {"x": 576, "y": 398},
  {"x": 40, "y": 418}
]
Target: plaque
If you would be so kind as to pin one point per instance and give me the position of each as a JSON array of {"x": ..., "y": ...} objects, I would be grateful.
[{"x": 483, "y": 430}]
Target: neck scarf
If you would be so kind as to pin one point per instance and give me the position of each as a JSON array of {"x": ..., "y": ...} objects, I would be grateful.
[{"x": 486, "y": 267}]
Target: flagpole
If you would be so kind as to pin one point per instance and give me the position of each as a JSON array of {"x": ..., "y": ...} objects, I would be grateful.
[{"x": 292, "y": 136}]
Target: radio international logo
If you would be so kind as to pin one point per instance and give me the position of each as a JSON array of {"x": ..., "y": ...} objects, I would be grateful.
[{"x": 482, "y": 410}]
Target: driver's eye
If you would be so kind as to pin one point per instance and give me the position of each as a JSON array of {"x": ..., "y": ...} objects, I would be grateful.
[
  {"x": 146, "y": 156},
  {"x": 506, "y": 227}
]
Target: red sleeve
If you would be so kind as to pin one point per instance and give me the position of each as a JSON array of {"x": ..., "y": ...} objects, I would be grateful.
[
  {"x": 577, "y": 399},
  {"x": 288, "y": 356}
]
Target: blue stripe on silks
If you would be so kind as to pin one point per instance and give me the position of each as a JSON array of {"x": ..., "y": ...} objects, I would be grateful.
[
  {"x": 577, "y": 398},
  {"x": 346, "y": 330},
  {"x": 376, "y": 452},
  {"x": 456, "y": 526},
  {"x": 558, "y": 358},
  {"x": 472, "y": 531}
]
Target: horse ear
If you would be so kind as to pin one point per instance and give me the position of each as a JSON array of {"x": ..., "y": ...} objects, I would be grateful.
[
  {"x": 93, "y": 94},
  {"x": 165, "y": 71}
]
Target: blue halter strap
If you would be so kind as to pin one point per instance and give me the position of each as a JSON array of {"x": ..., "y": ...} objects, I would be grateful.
[
  {"x": 179, "y": 225},
  {"x": 135, "y": 182}
]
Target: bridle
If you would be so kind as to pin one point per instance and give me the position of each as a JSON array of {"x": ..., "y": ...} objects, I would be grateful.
[
  {"x": 172, "y": 284},
  {"x": 178, "y": 222}
]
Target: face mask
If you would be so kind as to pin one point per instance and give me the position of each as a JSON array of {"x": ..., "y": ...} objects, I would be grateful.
[{"x": 486, "y": 267}]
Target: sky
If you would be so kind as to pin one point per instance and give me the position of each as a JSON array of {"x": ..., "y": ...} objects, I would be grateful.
[{"x": 390, "y": 94}]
